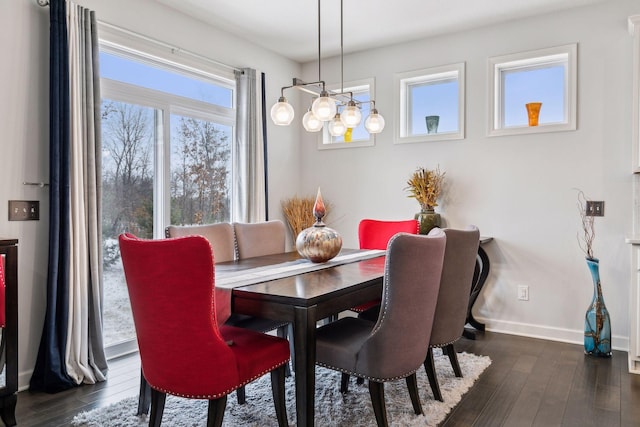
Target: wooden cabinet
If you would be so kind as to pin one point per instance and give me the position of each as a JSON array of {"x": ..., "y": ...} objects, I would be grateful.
[
  {"x": 634, "y": 30},
  {"x": 9, "y": 330},
  {"x": 634, "y": 293}
]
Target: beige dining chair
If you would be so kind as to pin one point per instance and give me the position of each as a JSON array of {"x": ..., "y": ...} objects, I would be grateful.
[
  {"x": 260, "y": 238},
  {"x": 394, "y": 347},
  {"x": 220, "y": 235}
]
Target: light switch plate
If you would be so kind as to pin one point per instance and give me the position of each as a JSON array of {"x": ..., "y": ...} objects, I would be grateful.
[
  {"x": 24, "y": 210},
  {"x": 595, "y": 208}
]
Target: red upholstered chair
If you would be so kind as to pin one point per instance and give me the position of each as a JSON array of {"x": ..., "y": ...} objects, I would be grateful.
[
  {"x": 182, "y": 350},
  {"x": 375, "y": 234},
  {"x": 222, "y": 238}
]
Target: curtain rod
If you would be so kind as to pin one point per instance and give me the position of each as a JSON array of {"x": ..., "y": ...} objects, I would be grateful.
[{"x": 173, "y": 48}]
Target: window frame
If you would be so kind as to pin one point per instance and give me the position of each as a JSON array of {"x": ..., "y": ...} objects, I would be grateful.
[
  {"x": 167, "y": 104},
  {"x": 324, "y": 134},
  {"x": 403, "y": 81},
  {"x": 133, "y": 46},
  {"x": 527, "y": 61}
]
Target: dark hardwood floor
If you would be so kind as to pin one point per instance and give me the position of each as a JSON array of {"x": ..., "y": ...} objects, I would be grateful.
[{"x": 529, "y": 383}]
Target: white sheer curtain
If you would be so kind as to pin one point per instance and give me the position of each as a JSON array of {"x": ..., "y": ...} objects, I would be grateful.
[
  {"x": 249, "y": 184},
  {"x": 85, "y": 358}
]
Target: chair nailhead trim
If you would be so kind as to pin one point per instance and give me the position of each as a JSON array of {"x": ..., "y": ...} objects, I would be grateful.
[
  {"x": 380, "y": 380},
  {"x": 444, "y": 344},
  {"x": 224, "y": 393}
]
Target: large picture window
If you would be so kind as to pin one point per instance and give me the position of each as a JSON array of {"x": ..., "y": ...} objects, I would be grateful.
[
  {"x": 545, "y": 77},
  {"x": 167, "y": 134}
]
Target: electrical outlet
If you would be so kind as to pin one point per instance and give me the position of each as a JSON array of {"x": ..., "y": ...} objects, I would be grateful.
[
  {"x": 595, "y": 208},
  {"x": 523, "y": 293},
  {"x": 24, "y": 210}
]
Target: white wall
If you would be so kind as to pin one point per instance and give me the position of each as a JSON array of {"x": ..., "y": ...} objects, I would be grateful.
[
  {"x": 24, "y": 38},
  {"x": 518, "y": 189}
]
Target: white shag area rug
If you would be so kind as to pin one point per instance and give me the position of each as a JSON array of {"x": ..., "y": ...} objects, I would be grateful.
[{"x": 332, "y": 407}]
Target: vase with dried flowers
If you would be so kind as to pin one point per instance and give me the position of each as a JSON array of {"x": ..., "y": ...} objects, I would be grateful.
[
  {"x": 597, "y": 324},
  {"x": 425, "y": 185}
]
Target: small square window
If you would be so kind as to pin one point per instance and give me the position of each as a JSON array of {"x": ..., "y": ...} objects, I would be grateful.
[
  {"x": 545, "y": 76},
  {"x": 431, "y": 104},
  {"x": 361, "y": 91}
]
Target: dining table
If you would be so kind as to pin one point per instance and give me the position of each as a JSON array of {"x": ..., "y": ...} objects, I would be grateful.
[{"x": 289, "y": 288}]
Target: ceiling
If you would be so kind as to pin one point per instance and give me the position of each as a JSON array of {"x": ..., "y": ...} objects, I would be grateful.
[{"x": 290, "y": 27}]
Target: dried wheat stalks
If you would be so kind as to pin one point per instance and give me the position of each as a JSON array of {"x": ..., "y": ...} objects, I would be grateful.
[
  {"x": 425, "y": 186},
  {"x": 298, "y": 212}
]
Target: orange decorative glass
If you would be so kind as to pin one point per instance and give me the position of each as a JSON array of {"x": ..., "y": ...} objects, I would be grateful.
[{"x": 533, "y": 110}]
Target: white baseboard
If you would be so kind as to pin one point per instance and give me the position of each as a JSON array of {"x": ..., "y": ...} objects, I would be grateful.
[{"x": 547, "y": 332}]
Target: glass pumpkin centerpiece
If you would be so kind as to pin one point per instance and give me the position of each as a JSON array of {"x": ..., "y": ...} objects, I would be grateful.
[
  {"x": 425, "y": 185},
  {"x": 318, "y": 243}
]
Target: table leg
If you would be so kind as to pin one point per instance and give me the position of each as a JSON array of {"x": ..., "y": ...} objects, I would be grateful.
[
  {"x": 304, "y": 329},
  {"x": 479, "y": 277}
]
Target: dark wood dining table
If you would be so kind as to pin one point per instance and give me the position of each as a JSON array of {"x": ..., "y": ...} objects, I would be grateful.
[{"x": 304, "y": 299}]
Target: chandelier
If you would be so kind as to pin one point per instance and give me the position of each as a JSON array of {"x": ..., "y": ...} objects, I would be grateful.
[{"x": 338, "y": 109}]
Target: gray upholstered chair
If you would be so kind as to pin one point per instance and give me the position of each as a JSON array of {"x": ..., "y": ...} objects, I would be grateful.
[
  {"x": 453, "y": 300},
  {"x": 260, "y": 238},
  {"x": 394, "y": 347}
]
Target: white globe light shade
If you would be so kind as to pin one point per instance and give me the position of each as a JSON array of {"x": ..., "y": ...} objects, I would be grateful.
[
  {"x": 282, "y": 112},
  {"x": 336, "y": 127},
  {"x": 374, "y": 123},
  {"x": 311, "y": 122},
  {"x": 324, "y": 107},
  {"x": 351, "y": 115}
]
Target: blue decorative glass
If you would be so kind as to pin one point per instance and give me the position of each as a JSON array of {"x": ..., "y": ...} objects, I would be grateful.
[{"x": 597, "y": 325}]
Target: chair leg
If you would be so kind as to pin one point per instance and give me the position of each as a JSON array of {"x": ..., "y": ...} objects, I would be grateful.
[
  {"x": 277, "y": 389},
  {"x": 429, "y": 366},
  {"x": 376, "y": 391},
  {"x": 157, "y": 407},
  {"x": 344, "y": 383},
  {"x": 215, "y": 413},
  {"x": 283, "y": 332},
  {"x": 241, "y": 396},
  {"x": 412, "y": 385},
  {"x": 144, "y": 397},
  {"x": 453, "y": 358}
]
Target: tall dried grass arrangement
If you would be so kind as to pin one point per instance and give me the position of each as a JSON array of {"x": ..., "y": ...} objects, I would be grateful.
[
  {"x": 585, "y": 240},
  {"x": 298, "y": 212},
  {"x": 425, "y": 186}
]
